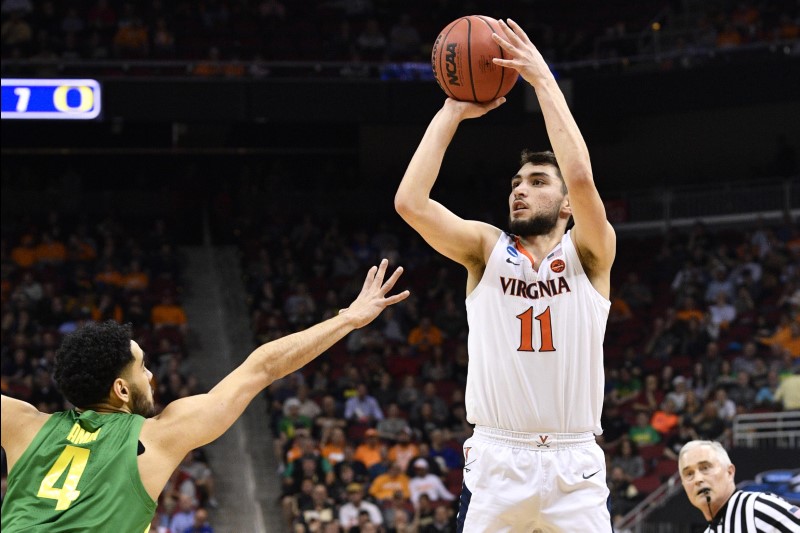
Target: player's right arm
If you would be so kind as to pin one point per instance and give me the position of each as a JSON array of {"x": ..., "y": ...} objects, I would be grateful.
[
  {"x": 464, "y": 241},
  {"x": 20, "y": 423}
]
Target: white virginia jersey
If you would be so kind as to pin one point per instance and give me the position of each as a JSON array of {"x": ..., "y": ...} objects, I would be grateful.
[{"x": 536, "y": 343}]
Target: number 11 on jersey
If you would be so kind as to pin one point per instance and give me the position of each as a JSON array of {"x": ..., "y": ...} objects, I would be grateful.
[{"x": 526, "y": 331}]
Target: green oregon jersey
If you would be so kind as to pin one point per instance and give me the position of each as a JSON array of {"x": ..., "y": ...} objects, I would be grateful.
[{"x": 79, "y": 474}]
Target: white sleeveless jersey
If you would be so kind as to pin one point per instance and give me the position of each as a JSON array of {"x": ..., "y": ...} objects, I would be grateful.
[{"x": 536, "y": 343}]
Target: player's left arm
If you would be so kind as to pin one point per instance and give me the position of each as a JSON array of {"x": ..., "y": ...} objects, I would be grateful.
[
  {"x": 593, "y": 235},
  {"x": 194, "y": 421},
  {"x": 20, "y": 423}
]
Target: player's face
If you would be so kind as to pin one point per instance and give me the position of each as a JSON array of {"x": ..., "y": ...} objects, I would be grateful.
[
  {"x": 536, "y": 200},
  {"x": 139, "y": 378},
  {"x": 701, "y": 469}
]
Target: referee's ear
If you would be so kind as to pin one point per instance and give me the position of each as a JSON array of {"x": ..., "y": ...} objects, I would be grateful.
[{"x": 732, "y": 470}]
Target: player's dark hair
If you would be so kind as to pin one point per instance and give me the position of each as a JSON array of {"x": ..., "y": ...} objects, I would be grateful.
[
  {"x": 90, "y": 359},
  {"x": 542, "y": 158}
]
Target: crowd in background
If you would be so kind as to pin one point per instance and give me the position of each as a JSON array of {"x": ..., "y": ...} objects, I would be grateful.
[{"x": 372, "y": 30}]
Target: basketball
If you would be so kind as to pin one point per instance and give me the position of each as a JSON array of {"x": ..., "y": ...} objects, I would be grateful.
[{"x": 462, "y": 60}]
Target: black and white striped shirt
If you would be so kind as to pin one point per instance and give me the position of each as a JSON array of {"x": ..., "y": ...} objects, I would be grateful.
[{"x": 756, "y": 512}]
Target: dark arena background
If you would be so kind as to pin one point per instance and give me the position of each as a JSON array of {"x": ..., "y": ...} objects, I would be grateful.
[{"x": 239, "y": 178}]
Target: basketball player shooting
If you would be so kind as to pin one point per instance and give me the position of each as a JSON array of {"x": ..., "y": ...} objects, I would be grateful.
[{"x": 537, "y": 300}]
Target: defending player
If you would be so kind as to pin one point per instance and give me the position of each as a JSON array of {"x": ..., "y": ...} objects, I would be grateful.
[
  {"x": 537, "y": 304},
  {"x": 101, "y": 466}
]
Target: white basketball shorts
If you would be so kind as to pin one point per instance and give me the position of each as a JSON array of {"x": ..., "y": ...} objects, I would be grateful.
[{"x": 531, "y": 482}]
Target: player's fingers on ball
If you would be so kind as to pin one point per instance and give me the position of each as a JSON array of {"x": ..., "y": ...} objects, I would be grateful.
[
  {"x": 505, "y": 45},
  {"x": 512, "y": 37}
]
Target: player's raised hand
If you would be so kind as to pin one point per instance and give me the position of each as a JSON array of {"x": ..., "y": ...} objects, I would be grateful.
[
  {"x": 525, "y": 58},
  {"x": 372, "y": 299}
]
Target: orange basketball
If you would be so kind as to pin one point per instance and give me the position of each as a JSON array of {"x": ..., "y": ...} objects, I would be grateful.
[{"x": 462, "y": 60}]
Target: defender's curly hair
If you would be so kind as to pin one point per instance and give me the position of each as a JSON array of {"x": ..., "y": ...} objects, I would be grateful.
[{"x": 90, "y": 359}]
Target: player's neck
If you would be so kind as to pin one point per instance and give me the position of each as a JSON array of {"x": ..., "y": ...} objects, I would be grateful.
[
  {"x": 540, "y": 245},
  {"x": 106, "y": 408}
]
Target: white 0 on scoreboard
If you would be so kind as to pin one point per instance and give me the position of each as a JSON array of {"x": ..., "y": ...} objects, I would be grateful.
[{"x": 49, "y": 99}]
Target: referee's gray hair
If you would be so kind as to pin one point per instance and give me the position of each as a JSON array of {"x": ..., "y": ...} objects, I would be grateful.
[{"x": 715, "y": 446}]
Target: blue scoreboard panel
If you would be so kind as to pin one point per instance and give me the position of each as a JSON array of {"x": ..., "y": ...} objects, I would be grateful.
[{"x": 50, "y": 99}]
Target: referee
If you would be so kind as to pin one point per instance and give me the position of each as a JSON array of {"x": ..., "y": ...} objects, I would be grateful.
[{"x": 707, "y": 477}]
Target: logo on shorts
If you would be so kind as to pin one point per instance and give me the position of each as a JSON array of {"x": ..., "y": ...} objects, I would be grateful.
[
  {"x": 558, "y": 266},
  {"x": 543, "y": 441},
  {"x": 467, "y": 462}
]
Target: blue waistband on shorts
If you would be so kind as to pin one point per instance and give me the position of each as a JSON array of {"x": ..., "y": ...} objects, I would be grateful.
[{"x": 533, "y": 440}]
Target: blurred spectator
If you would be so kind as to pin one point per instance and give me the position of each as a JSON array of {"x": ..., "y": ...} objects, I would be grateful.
[
  {"x": 765, "y": 396},
  {"x": 786, "y": 335},
  {"x": 308, "y": 407},
  {"x": 742, "y": 394},
  {"x": 623, "y": 494},
  {"x": 678, "y": 394},
  {"x": 362, "y": 408},
  {"x": 722, "y": 313},
  {"x": 442, "y": 521},
  {"x": 196, "y": 468},
  {"x": 349, "y": 512},
  {"x": 642, "y": 433},
  {"x": 329, "y": 419},
  {"x": 393, "y": 424},
  {"x": 183, "y": 518},
  {"x": 369, "y": 451},
  {"x": 708, "y": 424},
  {"x": 726, "y": 409},
  {"x": 788, "y": 393},
  {"x": 665, "y": 419},
  {"x": 427, "y": 483},
  {"x": 443, "y": 453},
  {"x": 168, "y": 313},
  {"x": 627, "y": 458},
  {"x": 132, "y": 38},
  {"x": 650, "y": 397},
  {"x": 403, "y": 449},
  {"x": 425, "y": 336},
  {"x": 200, "y": 524},
  {"x": 397, "y": 514},
  {"x": 638, "y": 295},
  {"x": 430, "y": 396},
  {"x": 386, "y": 485},
  {"x": 288, "y": 427},
  {"x": 676, "y": 440},
  {"x": 320, "y": 508}
]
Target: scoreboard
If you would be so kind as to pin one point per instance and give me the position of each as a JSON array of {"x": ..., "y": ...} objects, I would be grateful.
[{"x": 50, "y": 99}]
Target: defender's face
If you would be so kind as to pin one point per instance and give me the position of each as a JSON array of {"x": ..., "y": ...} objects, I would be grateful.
[
  {"x": 536, "y": 199},
  {"x": 140, "y": 379},
  {"x": 701, "y": 469}
]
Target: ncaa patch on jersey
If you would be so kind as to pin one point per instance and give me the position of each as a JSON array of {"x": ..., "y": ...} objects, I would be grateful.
[{"x": 558, "y": 266}]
